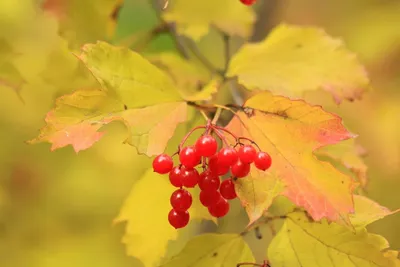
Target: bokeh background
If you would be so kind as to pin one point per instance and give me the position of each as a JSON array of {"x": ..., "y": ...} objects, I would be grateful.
[{"x": 56, "y": 208}]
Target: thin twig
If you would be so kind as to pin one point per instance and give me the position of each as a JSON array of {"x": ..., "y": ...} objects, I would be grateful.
[
  {"x": 204, "y": 115},
  {"x": 216, "y": 116},
  {"x": 227, "y": 50}
]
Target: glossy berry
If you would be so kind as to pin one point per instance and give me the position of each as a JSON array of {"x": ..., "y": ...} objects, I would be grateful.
[
  {"x": 220, "y": 208},
  {"x": 209, "y": 197},
  {"x": 178, "y": 219},
  {"x": 248, "y": 2},
  {"x": 247, "y": 153},
  {"x": 227, "y": 189},
  {"x": 263, "y": 161},
  {"x": 227, "y": 156},
  {"x": 189, "y": 177},
  {"x": 206, "y": 146},
  {"x": 240, "y": 169},
  {"x": 216, "y": 168},
  {"x": 162, "y": 164},
  {"x": 175, "y": 176},
  {"x": 189, "y": 157},
  {"x": 208, "y": 181},
  {"x": 181, "y": 200}
]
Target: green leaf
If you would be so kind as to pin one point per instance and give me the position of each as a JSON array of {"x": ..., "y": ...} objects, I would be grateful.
[
  {"x": 304, "y": 243},
  {"x": 367, "y": 211},
  {"x": 257, "y": 191},
  {"x": 294, "y": 59},
  {"x": 194, "y": 18},
  {"x": 134, "y": 92},
  {"x": 147, "y": 229},
  {"x": 212, "y": 250}
]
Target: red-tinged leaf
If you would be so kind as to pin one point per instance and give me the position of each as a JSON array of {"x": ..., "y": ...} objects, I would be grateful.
[{"x": 290, "y": 131}]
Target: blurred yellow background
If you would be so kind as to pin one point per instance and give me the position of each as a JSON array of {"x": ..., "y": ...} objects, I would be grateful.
[{"x": 56, "y": 208}]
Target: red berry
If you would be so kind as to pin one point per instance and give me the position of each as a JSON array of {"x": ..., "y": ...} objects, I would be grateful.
[
  {"x": 189, "y": 177},
  {"x": 178, "y": 219},
  {"x": 227, "y": 189},
  {"x": 181, "y": 200},
  {"x": 263, "y": 161},
  {"x": 247, "y": 153},
  {"x": 175, "y": 176},
  {"x": 240, "y": 169},
  {"x": 162, "y": 164},
  {"x": 208, "y": 181},
  {"x": 227, "y": 156},
  {"x": 189, "y": 157},
  {"x": 216, "y": 168},
  {"x": 206, "y": 146},
  {"x": 220, "y": 208},
  {"x": 248, "y": 2},
  {"x": 209, "y": 197}
]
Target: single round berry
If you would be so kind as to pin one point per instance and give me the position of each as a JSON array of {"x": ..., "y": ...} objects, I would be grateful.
[
  {"x": 248, "y": 2},
  {"x": 178, "y": 219},
  {"x": 263, "y": 161},
  {"x": 227, "y": 156},
  {"x": 162, "y": 164},
  {"x": 227, "y": 189},
  {"x": 209, "y": 197},
  {"x": 247, "y": 153},
  {"x": 220, "y": 208},
  {"x": 206, "y": 146},
  {"x": 175, "y": 176},
  {"x": 189, "y": 157},
  {"x": 216, "y": 168},
  {"x": 209, "y": 181},
  {"x": 240, "y": 169},
  {"x": 189, "y": 177},
  {"x": 181, "y": 200}
]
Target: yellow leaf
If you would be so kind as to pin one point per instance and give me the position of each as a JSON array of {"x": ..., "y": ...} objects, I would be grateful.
[
  {"x": 290, "y": 131},
  {"x": 348, "y": 154},
  {"x": 146, "y": 213},
  {"x": 294, "y": 59},
  {"x": 194, "y": 18},
  {"x": 257, "y": 191},
  {"x": 133, "y": 91},
  {"x": 212, "y": 250},
  {"x": 303, "y": 243},
  {"x": 367, "y": 211}
]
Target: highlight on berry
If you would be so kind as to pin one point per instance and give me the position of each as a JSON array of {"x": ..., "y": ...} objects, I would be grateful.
[{"x": 204, "y": 164}]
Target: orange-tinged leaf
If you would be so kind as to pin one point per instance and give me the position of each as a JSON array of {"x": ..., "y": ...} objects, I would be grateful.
[
  {"x": 294, "y": 59},
  {"x": 290, "y": 131},
  {"x": 257, "y": 191}
]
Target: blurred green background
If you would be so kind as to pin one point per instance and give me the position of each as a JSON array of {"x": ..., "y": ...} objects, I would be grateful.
[{"x": 56, "y": 208}]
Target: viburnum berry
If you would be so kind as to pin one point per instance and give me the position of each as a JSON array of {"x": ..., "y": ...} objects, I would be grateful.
[
  {"x": 189, "y": 157},
  {"x": 240, "y": 169},
  {"x": 227, "y": 189},
  {"x": 220, "y": 208},
  {"x": 248, "y": 2},
  {"x": 263, "y": 161},
  {"x": 178, "y": 219},
  {"x": 181, "y": 200},
  {"x": 162, "y": 164},
  {"x": 189, "y": 177},
  {"x": 227, "y": 156},
  {"x": 175, "y": 176},
  {"x": 247, "y": 153},
  {"x": 209, "y": 197},
  {"x": 206, "y": 146},
  {"x": 216, "y": 168},
  {"x": 208, "y": 181}
]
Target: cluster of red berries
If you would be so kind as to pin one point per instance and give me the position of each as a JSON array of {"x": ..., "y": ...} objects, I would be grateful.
[
  {"x": 248, "y": 2},
  {"x": 214, "y": 194}
]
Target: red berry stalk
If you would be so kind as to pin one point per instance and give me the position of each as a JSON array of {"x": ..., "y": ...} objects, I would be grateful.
[{"x": 214, "y": 194}]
